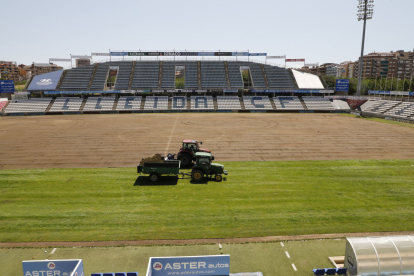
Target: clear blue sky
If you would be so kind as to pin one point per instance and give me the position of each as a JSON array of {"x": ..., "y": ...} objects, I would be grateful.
[{"x": 320, "y": 31}]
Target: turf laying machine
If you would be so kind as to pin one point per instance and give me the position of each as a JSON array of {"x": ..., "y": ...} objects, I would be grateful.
[{"x": 203, "y": 167}]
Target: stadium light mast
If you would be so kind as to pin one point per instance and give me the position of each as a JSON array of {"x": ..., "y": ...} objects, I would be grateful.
[{"x": 365, "y": 11}]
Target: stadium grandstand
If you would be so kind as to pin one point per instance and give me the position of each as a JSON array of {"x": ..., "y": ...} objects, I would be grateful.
[{"x": 149, "y": 85}]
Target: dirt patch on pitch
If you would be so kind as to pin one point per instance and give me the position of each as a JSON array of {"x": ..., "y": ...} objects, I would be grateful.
[{"x": 122, "y": 140}]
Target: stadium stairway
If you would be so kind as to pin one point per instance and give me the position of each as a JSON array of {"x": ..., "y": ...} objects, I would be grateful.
[
  {"x": 50, "y": 105},
  {"x": 142, "y": 103},
  {"x": 62, "y": 77},
  {"x": 115, "y": 104},
  {"x": 303, "y": 103},
  {"x": 93, "y": 76},
  {"x": 199, "y": 74},
  {"x": 160, "y": 75},
  {"x": 169, "y": 103},
  {"x": 215, "y": 102},
  {"x": 265, "y": 78},
  {"x": 242, "y": 103},
  {"x": 272, "y": 103},
  {"x": 82, "y": 105},
  {"x": 226, "y": 69},
  {"x": 131, "y": 77},
  {"x": 188, "y": 103}
]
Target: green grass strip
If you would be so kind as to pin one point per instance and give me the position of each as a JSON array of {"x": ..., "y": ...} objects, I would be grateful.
[{"x": 259, "y": 199}]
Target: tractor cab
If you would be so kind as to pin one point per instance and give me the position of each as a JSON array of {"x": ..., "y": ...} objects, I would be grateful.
[
  {"x": 204, "y": 166},
  {"x": 188, "y": 150}
]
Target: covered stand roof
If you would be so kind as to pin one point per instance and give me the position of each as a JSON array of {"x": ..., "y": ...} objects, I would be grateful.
[{"x": 371, "y": 256}]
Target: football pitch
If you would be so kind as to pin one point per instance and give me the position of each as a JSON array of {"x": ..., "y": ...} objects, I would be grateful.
[{"x": 258, "y": 199}]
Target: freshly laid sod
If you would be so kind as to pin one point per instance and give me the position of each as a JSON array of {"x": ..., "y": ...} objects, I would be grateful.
[
  {"x": 259, "y": 199},
  {"x": 269, "y": 258}
]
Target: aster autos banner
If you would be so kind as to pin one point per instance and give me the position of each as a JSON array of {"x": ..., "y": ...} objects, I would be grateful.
[
  {"x": 46, "y": 81},
  {"x": 215, "y": 265},
  {"x": 53, "y": 268}
]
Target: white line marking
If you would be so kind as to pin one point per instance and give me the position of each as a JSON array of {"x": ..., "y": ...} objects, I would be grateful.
[
  {"x": 294, "y": 267},
  {"x": 169, "y": 138},
  {"x": 281, "y": 243},
  {"x": 53, "y": 251},
  {"x": 287, "y": 254}
]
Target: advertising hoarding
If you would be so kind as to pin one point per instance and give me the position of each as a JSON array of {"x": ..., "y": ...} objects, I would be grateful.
[
  {"x": 342, "y": 85},
  {"x": 53, "y": 268},
  {"x": 46, "y": 81},
  {"x": 6, "y": 86},
  {"x": 194, "y": 265}
]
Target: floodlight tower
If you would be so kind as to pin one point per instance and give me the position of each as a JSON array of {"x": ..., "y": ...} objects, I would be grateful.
[{"x": 365, "y": 11}]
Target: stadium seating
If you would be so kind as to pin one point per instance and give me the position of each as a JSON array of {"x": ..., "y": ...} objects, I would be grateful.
[
  {"x": 202, "y": 102},
  {"x": 290, "y": 103},
  {"x": 190, "y": 74},
  {"x": 132, "y": 274},
  {"x": 101, "y": 74},
  {"x": 381, "y": 106},
  {"x": 2, "y": 104},
  {"x": 179, "y": 102},
  {"x": 317, "y": 103},
  {"x": 129, "y": 103},
  {"x": 77, "y": 78},
  {"x": 318, "y": 271},
  {"x": 257, "y": 75},
  {"x": 235, "y": 76},
  {"x": 146, "y": 75},
  {"x": 213, "y": 74},
  {"x": 404, "y": 110},
  {"x": 340, "y": 104},
  {"x": 122, "y": 77},
  {"x": 228, "y": 102},
  {"x": 156, "y": 103},
  {"x": 120, "y": 274},
  {"x": 341, "y": 271},
  {"x": 257, "y": 102},
  {"x": 99, "y": 104},
  {"x": 66, "y": 104},
  {"x": 28, "y": 105},
  {"x": 330, "y": 271},
  {"x": 278, "y": 77}
]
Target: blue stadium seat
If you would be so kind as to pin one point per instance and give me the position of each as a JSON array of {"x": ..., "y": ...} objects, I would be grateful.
[
  {"x": 120, "y": 274},
  {"x": 109, "y": 274},
  {"x": 132, "y": 274},
  {"x": 96, "y": 274},
  {"x": 330, "y": 271},
  {"x": 341, "y": 271},
  {"x": 318, "y": 271}
]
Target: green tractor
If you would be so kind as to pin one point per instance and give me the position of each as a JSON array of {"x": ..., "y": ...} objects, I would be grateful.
[{"x": 204, "y": 166}]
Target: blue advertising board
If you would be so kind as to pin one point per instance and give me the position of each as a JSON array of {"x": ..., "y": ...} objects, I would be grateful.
[
  {"x": 46, "y": 81},
  {"x": 6, "y": 86},
  {"x": 342, "y": 85},
  {"x": 194, "y": 265},
  {"x": 53, "y": 268}
]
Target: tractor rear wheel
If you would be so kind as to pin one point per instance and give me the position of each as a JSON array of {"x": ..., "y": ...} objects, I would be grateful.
[
  {"x": 218, "y": 178},
  {"x": 185, "y": 160},
  {"x": 197, "y": 175},
  {"x": 154, "y": 177}
]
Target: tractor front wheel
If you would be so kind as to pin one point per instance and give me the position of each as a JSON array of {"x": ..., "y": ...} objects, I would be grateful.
[
  {"x": 154, "y": 177},
  {"x": 218, "y": 178},
  {"x": 197, "y": 175},
  {"x": 185, "y": 160}
]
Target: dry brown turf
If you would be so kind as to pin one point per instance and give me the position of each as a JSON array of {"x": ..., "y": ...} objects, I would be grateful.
[{"x": 121, "y": 140}]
